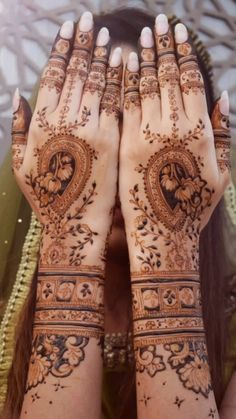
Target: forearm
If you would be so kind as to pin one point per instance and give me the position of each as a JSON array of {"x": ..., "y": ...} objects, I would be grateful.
[
  {"x": 65, "y": 369},
  {"x": 172, "y": 371}
]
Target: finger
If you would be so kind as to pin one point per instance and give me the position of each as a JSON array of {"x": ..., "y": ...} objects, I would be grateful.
[
  {"x": 20, "y": 126},
  {"x": 220, "y": 125},
  {"x": 96, "y": 81},
  {"x": 191, "y": 80},
  {"x": 168, "y": 71},
  {"x": 111, "y": 100},
  {"x": 77, "y": 70},
  {"x": 53, "y": 76},
  {"x": 149, "y": 88},
  {"x": 132, "y": 103}
]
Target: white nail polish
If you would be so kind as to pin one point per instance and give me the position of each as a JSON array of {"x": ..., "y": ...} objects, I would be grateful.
[
  {"x": 224, "y": 103},
  {"x": 86, "y": 22},
  {"x": 147, "y": 40},
  {"x": 16, "y": 100},
  {"x": 133, "y": 63},
  {"x": 103, "y": 37},
  {"x": 67, "y": 29},
  {"x": 162, "y": 24},
  {"x": 181, "y": 33},
  {"x": 115, "y": 60}
]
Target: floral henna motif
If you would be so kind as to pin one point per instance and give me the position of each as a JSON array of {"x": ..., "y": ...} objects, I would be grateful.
[
  {"x": 54, "y": 354},
  {"x": 147, "y": 359},
  {"x": 190, "y": 361}
]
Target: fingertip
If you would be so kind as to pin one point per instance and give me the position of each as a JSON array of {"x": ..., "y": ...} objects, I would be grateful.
[
  {"x": 181, "y": 33},
  {"x": 224, "y": 103},
  {"x": 67, "y": 29},
  {"x": 16, "y": 100},
  {"x": 133, "y": 62},
  {"x": 116, "y": 57}
]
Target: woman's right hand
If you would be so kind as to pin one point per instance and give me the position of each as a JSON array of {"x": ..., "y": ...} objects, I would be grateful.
[{"x": 65, "y": 156}]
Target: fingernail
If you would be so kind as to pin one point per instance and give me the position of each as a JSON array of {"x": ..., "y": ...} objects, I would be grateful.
[
  {"x": 181, "y": 33},
  {"x": 103, "y": 37},
  {"x": 147, "y": 40},
  {"x": 224, "y": 103},
  {"x": 133, "y": 63},
  {"x": 115, "y": 60},
  {"x": 86, "y": 22},
  {"x": 67, "y": 29},
  {"x": 16, "y": 100},
  {"x": 162, "y": 24}
]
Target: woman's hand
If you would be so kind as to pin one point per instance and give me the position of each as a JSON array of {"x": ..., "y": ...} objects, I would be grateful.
[
  {"x": 65, "y": 157},
  {"x": 172, "y": 174},
  {"x": 65, "y": 161}
]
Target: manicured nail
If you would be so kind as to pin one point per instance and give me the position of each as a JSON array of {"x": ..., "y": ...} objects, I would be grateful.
[
  {"x": 133, "y": 63},
  {"x": 224, "y": 103},
  {"x": 116, "y": 55},
  {"x": 147, "y": 40},
  {"x": 67, "y": 29},
  {"x": 162, "y": 24},
  {"x": 16, "y": 100},
  {"x": 103, "y": 37},
  {"x": 181, "y": 33},
  {"x": 86, "y": 22}
]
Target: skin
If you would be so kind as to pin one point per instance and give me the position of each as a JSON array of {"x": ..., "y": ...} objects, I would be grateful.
[{"x": 66, "y": 130}]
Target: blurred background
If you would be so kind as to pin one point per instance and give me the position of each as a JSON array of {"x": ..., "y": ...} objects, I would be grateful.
[{"x": 28, "y": 27}]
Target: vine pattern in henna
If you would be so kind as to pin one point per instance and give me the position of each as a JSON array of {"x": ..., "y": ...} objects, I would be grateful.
[
  {"x": 169, "y": 330},
  {"x": 64, "y": 165},
  {"x": 177, "y": 195}
]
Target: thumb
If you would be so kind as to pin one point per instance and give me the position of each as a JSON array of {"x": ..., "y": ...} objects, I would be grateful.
[
  {"x": 220, "y": 125},
  {"x": 20, "y": 126}
]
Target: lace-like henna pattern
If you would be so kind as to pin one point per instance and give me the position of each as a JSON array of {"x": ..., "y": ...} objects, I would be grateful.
[
  {"x": 222, "y": 139},
  {"x": 191, "y": 79},
  {"x": 149, "y": 87},
  {"x": 97, "y": 76},
  {"x": 167, "y": 314},
  {"x": 20, "y": 122},
  {"x": 54, "y": 73},
  {"x": 131, "y": 95},
  {"x": 110, "y": 103}
]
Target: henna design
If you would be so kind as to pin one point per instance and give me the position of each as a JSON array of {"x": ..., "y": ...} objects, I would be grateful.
[
  {"x": 212, "y": 413},
  {"x": 166, "y": 309},
  {"x": 20, "y": 124},
  {"x": 178, "y": 401},
  {"x": 54, "y": 74},
  {"x": 145, "y": 399},
  {"x": 54, "y": 354},
  {"x": 189, "y": 360},
  {"x": 149, "y": 87},
  {"x": 221, "y": 132},
  {"x": 131, "y": 95},
  {"x": 97, "y": 77},
  {"x": 147, "y": 359},
  {"x": 191, "y": 80},
  {"x": 110, "y": 103}
]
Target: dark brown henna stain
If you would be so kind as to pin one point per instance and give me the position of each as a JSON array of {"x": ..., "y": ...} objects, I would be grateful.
[
  {"x": 110, "y": 103},
  {"x": 178, "y": 402},
  {"x": 222, "y": 138},
  {"x": 20, "y": 124},
  {"x": 131, "y": 94},
  {"x": 145, "y": 399},
  {"x": 96, "y": 80},
  {"x": 149, "y": 87}
]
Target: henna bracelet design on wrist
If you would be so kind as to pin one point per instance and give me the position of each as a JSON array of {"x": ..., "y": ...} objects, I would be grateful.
[{"x": 169, "y": 330}]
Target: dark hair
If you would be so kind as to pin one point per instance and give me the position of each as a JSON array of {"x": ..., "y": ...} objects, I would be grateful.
[{"x": 125, "y": 26}]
